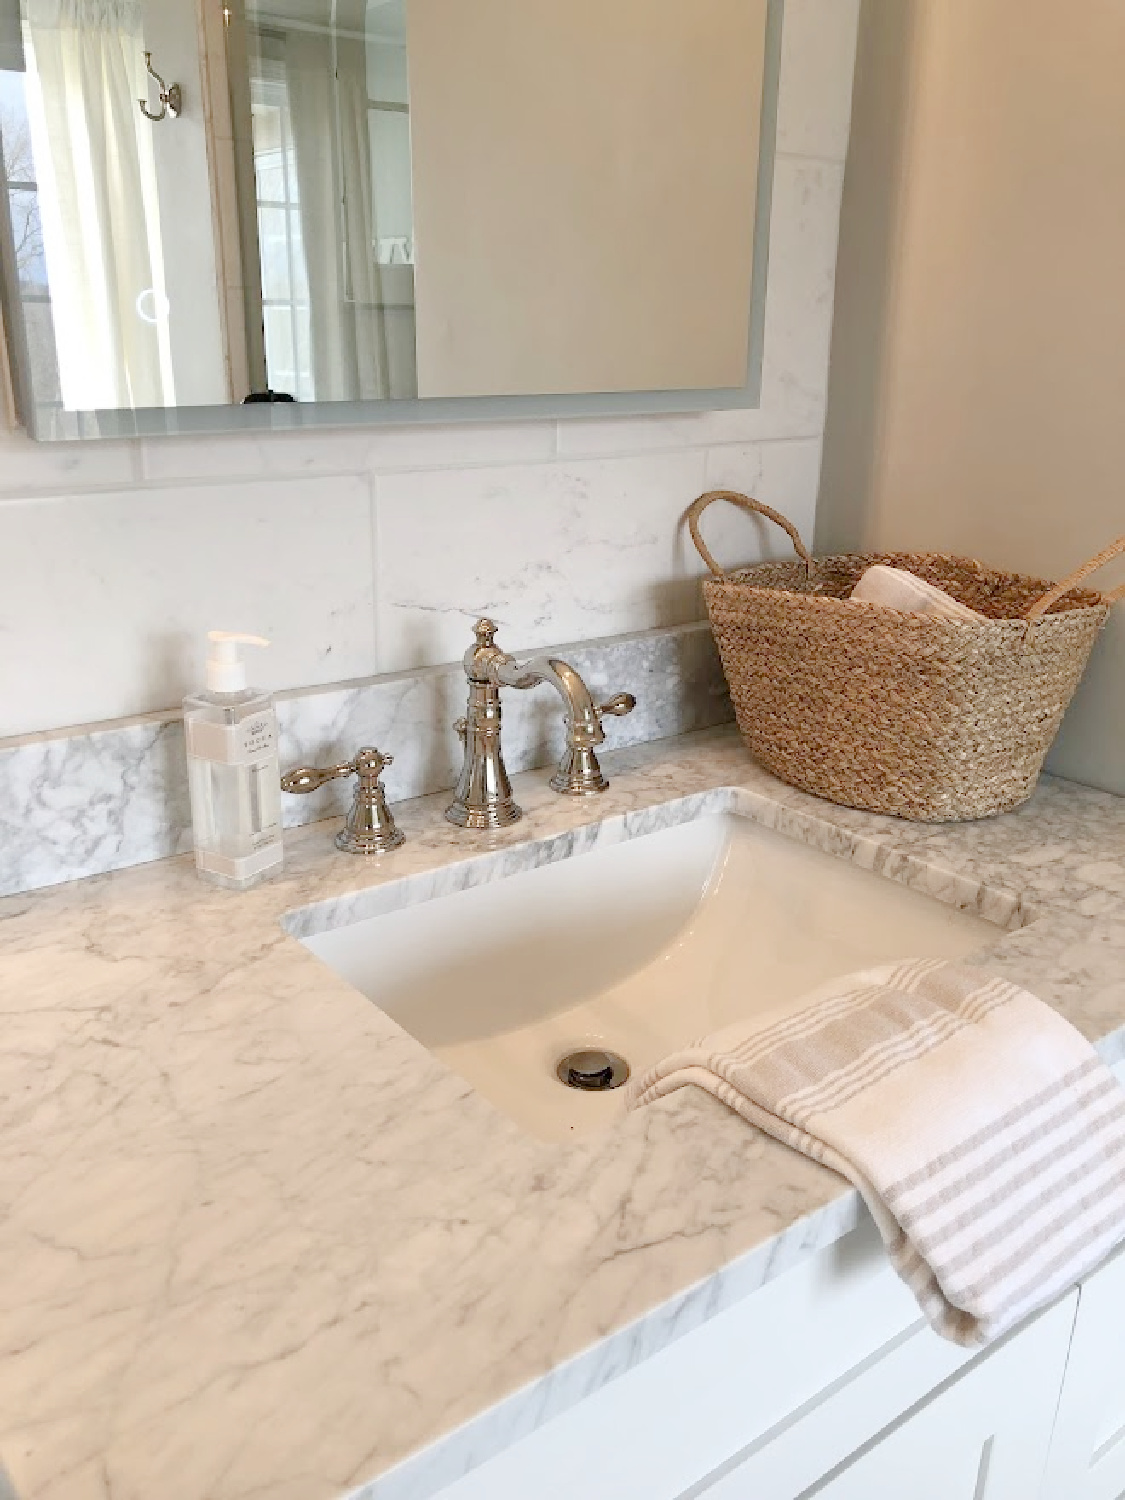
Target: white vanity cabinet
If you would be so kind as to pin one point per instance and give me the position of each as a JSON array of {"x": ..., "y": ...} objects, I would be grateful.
[
  {"x": 1087, "y": 1460},
  {"x": 825, "y": 1382}
]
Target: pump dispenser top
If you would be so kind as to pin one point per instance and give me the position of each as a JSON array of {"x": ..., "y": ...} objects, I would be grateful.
[{"x": 226, "y": 671}]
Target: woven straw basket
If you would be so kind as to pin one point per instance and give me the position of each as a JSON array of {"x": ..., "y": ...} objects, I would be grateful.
[{"x": 916, "y": 715}]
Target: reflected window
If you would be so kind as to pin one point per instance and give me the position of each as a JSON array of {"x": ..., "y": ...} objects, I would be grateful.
[
  {"x": 330, "y": 133},
  {"x": 83, "y": 210},
  {"x": 26, "y": 250},
  {"x": 285, "y": 282}
]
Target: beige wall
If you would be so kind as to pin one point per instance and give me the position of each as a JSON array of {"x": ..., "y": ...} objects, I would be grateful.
[{"x": 977, "y": 389}]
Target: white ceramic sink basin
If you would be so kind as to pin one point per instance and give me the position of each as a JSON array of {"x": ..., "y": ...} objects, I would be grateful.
[{"x": 637, "y": 948}]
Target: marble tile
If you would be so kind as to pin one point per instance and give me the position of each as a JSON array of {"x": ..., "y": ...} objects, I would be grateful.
[
  {"x": 110, "y": 796},
  {"x": 814, "y": 110},
  {"x": 603, "y": 437},
  {"x": 431, "y": 447},
  {"x": 550, "y": 552},
  {"x": 31, "y": 468},
  {"x": 785, "y": 475},
  {"x": 600, "y": 541},
  {"x": 111, "y": 595},
  {"x": 798, "y": 331},
  {"x": 348, "y": 450},
  {"x": 241, "y": 1203},
  {"x": 80, "y": 805}
]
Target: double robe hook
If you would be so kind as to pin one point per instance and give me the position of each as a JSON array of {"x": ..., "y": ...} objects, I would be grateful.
[{"x": 171, "y": 95}]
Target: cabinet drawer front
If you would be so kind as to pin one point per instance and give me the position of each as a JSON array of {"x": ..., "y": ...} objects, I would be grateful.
[
  {"x": 983, "y": 1437},
  {"x": 666, "y": 1425},
  {"x": 840, "y": 1420},
  {"x": 860, "y": 1434}
]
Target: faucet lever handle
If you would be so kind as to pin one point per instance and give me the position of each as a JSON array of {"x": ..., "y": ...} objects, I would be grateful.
[
  {"x": 312, "y": 778},
  {"x": 370, "y": 828},
  {"x": 618, "y": 706}
]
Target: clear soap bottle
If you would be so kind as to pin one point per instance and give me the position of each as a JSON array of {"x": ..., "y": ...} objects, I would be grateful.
[{"x": 233, "y": 773}]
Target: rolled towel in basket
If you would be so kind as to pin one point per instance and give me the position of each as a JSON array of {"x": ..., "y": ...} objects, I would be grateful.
[
  {"x": 985, "y": 1134},
  {"x": 896, "y": 588}
]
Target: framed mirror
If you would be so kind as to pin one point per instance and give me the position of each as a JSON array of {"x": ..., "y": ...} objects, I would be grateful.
[{"x": 228, "y": 213}]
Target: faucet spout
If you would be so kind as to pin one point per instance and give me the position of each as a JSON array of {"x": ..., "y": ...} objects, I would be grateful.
[{"x": 583, "y": 723}]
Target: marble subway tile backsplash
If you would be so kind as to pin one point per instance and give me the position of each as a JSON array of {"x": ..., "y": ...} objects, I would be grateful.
[
  {"x": 112, "y": 795},
  {"x": 95, "y": 800},
  {"x": 371, "y": 450},
  {"x": 601, "y": 549},
  {"x": 105, "y": 599},
  {"x": 593, "y": 554}
]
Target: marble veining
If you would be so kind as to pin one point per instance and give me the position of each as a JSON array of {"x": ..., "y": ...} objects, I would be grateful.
[
  {"x": 257, "y": 1241},
  {"x": 104, "y": 797}
]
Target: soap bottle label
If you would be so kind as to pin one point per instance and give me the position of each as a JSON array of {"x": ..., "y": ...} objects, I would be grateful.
[{"x": 244, "y": 744}]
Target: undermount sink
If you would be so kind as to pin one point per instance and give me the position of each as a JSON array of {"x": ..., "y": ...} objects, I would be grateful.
[{"x": 633, "y": 949}]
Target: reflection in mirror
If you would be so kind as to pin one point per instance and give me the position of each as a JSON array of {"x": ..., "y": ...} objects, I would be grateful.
[
  {"x": 584, "y": 192},
  {"x": 329, "y": 122},
  {"x": 479, "y": 199},
  {"x": 23, "y": 242},
  {"x": 108, "y": 249},
  {"x": 80, "y": 194},
  {"x": 377, "y": 201}
]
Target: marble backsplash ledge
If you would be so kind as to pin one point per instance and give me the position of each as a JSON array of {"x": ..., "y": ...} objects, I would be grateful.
[
  {"x": 93, "y": 800},
  {"x": 101, "y": 797}
]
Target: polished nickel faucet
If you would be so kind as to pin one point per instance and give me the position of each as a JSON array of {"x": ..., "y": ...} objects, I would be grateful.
[{"x": 484, "y": 794}]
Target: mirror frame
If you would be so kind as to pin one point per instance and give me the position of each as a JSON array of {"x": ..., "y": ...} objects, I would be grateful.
[{"x": 70, "y": 426}]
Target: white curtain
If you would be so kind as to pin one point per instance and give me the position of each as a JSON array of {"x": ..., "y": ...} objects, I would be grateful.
[
  {"x": 98, "y": 202},
  {"x": 326, "y": 79}
]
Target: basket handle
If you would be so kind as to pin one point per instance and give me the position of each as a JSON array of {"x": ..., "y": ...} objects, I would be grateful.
[
  {"x": 1072, "y": 580},
  {"x": 755, "y": 507}
]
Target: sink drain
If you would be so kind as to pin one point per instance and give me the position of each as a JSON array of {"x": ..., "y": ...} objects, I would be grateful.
[{"x": 592, "y": 1070}]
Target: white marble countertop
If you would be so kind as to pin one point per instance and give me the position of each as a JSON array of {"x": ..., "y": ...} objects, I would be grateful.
[{"x": 256, "y": 1242}]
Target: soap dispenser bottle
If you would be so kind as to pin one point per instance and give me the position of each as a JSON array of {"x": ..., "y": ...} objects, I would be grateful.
[{"x": 233, "y": 773}]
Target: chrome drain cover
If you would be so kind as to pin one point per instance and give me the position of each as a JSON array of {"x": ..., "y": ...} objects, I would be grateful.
[{"x": 592, "y": 1070}]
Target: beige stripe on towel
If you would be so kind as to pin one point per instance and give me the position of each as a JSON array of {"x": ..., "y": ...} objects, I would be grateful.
[{"x": 985, "y": 1134}]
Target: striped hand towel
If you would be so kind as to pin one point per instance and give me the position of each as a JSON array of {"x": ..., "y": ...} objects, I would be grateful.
[{"x": 985, "y": 1134}]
